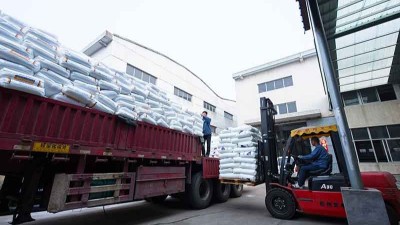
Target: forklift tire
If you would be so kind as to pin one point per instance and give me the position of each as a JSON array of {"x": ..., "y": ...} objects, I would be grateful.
[
  {"x": 157, "y": 199},
  {"x": 236, "y": 190},
  {"x": 280, "y": 204},
  {"x": 221, "y": 191},
  {"x": 393, "y": 217},
  {"x": 199, "y": 192}
]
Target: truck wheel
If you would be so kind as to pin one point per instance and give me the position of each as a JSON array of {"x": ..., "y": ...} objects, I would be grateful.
[
  {"x": 236, "y": 190},
  {"x": 221, "y": 191},
  {"x": 280, "y": 204},
  {"x": 200, "y": 192},
  {"x": 156, "y": 199},
  {"x": 393, "y": 217}
]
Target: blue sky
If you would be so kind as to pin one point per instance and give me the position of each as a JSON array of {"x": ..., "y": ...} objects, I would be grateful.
[{"x": 212, "y": 38}]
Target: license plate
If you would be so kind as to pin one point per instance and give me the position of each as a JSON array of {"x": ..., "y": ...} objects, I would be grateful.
[{"x": 50, "y": 147}]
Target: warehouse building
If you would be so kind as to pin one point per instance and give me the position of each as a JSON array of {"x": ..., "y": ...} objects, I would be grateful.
[
  {"x": 181, "y": 84},
  {"x": 295, "y": 85}
]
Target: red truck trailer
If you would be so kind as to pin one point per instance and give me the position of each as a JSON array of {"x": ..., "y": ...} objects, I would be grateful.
[{"x": 56, "y": 156}]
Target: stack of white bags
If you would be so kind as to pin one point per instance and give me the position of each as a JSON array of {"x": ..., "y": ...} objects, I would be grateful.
[
  {"x": 33, "y": 61},
  {"x": 239, "y": 153},
  {"x": 215, "y": 147}
]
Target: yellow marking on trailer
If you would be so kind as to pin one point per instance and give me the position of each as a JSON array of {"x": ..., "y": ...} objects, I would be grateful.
[{"x": 50, "y": 147}]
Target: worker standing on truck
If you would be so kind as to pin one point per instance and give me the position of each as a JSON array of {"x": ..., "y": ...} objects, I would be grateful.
[
  {"x": 206, "y": 133},
  {"x": 319, "y": 158}
]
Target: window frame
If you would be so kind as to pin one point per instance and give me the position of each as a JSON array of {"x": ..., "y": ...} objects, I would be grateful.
[
  {"x": 209, "y": 106},
  {"x": 140, "y": 74},
  {"x": 271, "y": 85},
  {"x": 182, "y": 94},
  {"x": 228, "y": 115}
]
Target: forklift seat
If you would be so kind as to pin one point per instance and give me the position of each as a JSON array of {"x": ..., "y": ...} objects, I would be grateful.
[{"x": 322, "y": 172}]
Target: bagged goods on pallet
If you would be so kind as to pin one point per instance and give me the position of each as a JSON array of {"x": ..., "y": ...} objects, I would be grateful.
[
  {"x": 75, "y": 78},
  {"x": 109, "y": 94},
  {"x": 21, "y": 82},
  {"x": 15, "y": 57},
  {"x": 86, "y": 87},
  {"x": 74, "y": 66},
  {"x": 40, "y": 52},
  {"x": 20, "y": 49},
  {"x": 50, "y": 87},
  {"x": 46, "y": 64},
  {"x": 15, "y": 67},
  {"x": 84, "y": 78},
  {"x": 55, "y": 77},
  {"x": 79, "y": 95}
]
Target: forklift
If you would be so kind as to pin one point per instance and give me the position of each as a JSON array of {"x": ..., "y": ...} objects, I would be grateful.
[{"x": 322, "y": 196}]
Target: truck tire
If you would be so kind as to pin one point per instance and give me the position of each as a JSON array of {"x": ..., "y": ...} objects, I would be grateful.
[
  {"x": 221, "y": 191},
  {"x": 199, "y": 192},
  {"x": 156, "y": 199},
  {"x": 236, "y": 190},
  {"x": 393, "y": 217},
  {"x": 280, "y": 204}
]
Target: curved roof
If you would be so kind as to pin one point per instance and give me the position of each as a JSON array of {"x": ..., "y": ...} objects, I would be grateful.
[
  {"x": 106, "y": 38},
  {"x": 304, "y": 131}
]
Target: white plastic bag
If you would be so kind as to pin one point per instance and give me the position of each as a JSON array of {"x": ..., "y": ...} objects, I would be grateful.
[
  {"x": 87, "y": 87},
  {"x": 10, "y": 55},
  {"x": 109, "y": 94},
  {"x": 105, "y": 85},
  {"x": 74, "y": 66},
  {"x": 147, "y": 118},
  {"x": 11, "y": 83},
  {"x": 44, "y": 63},
  {"x": 55, "y": 77},
  {"x": 84, "y": 78},
  {"x": 79, "y": 95}
]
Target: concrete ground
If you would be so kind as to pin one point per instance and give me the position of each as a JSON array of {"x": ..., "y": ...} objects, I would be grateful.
[{"x": 249, "y": 209}]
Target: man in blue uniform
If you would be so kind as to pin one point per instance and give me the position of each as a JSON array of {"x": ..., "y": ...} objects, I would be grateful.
[
  {"x": 206, "y": 133},
  {"x": 319, "y": 158}
]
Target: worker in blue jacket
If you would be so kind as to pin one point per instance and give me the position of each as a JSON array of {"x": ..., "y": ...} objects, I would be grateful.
[
  {"x": 206, "y": 133},
  {"x": 319, "y": 158}
]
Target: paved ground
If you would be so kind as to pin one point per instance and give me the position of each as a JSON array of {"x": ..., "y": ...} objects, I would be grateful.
[{"x": 249, "y": 209}]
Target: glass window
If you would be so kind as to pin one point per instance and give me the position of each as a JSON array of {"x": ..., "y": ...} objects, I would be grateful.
[
  {"x": 379, "y": 150},
  {"x": 288, "y": 81},
  {"x": 262, "y": 88},
  {"x": 365, "y": 151},
  {"x": 378, "y": 132},
  {"x": 368, "y": 95},
  {"x": 228, "y": 115},
  {"x": 394, "y": 130},
  {"x": 270, "y": 86},
  {"x": 183, "y": 94},
  {"x": 350, "y": 98},
  {"x": 138, "y": 73},
  {"x": 282, "y": 108},
  {"x": 394, "y": 148},
  {"x": 153, "y": 80},
  {"x": 209, "y": 106},
  {"x": 360, "y": 133},
  {"x": 291, "y": 107},
  {"x": 146, "y": 77},
  {"x": 130, "y": 69},
  {"x": 386, "y": 93},
  {"x": 279, "y": 83}
]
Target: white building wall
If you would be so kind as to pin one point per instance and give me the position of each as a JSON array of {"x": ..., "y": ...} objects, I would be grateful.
[
  {"x": 307, "y": 90},
  {"x": 120, "y": 52}
]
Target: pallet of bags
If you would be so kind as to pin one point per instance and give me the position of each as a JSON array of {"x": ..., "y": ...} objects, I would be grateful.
[{"x": 227, "y": 155}]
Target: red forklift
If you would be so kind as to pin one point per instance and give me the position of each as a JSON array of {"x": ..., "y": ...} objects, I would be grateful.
[{"x": 322, "y": 196}]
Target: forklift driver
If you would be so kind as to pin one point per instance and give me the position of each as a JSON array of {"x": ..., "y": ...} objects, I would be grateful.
[{"x": 318, "y": 159}]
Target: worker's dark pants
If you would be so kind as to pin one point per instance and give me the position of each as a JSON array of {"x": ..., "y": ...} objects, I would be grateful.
[
  {"x": 207, "y": 139},
  {"x": 303, "y": 173}
]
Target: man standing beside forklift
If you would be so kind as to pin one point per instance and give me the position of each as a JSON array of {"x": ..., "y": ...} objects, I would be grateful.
[{"x": 319, "y": 160}]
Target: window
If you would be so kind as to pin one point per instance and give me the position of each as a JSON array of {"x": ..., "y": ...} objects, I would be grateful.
[
  {"x": 394, "y": 131},
  {"x": 291, "y": 107},
  {"x": 378, "y": 132},
  {"x": 140, "y": 74},
  {"x": 284, "y": 108},
  {"x": 360, "y": 134},
  {"x": 368, "y": 95},
  {"x": 183, "y": 94},
  {"x": 228, "y": 115},
  {"x": 213, "y": 129},
  {"x": 209, "y": 106},
  {"x": 275, "y": 84},
  {"x": 386, "y": 93},
  {"x": 377, "y": 144},
  {"x": 350, "y": 98},
  {"x": 365, "y": 151}
]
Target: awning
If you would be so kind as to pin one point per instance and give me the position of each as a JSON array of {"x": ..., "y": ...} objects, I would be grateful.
[
  {"x": 305, "y": 131},
  {"x": 363, "y": 37}
]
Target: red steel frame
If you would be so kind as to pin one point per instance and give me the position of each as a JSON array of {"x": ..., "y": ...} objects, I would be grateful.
[{"x": 25, "y": 118}]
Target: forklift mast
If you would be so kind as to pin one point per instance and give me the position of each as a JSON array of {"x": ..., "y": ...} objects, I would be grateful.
[{"x": 268, "y": 144}]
